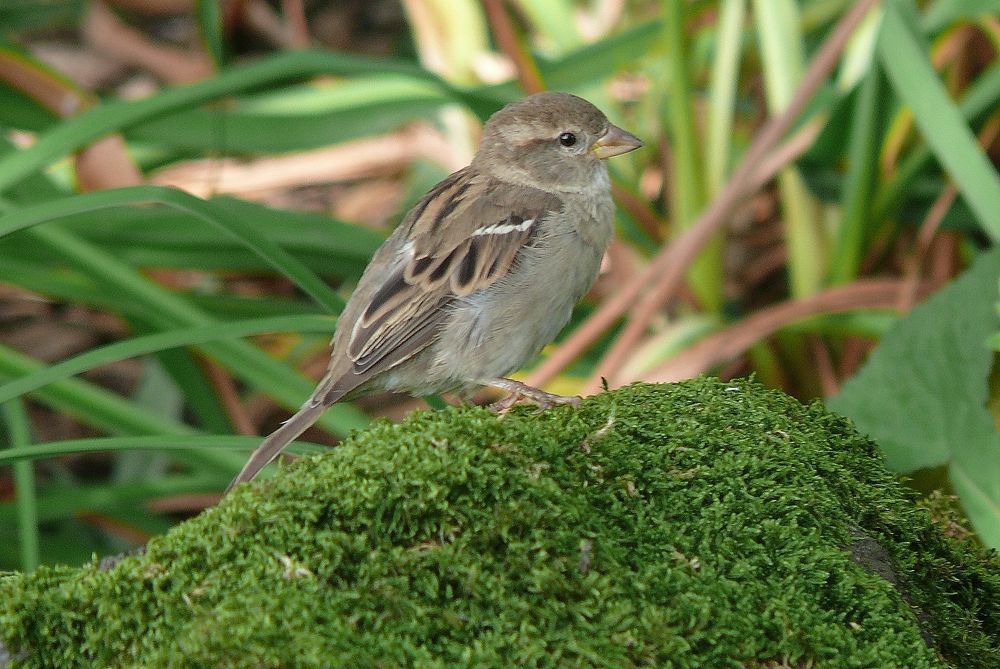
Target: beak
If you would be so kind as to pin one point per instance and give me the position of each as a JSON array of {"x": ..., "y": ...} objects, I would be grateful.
[{"x": 614, "y": 143}]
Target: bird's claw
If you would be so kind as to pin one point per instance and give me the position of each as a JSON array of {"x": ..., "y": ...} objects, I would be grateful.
[{"x": 539, "y": 398}]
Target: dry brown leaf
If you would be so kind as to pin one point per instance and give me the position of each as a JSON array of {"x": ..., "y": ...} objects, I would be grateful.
[
  {"x": 155, "y": 7},
  {"x": 105, "y": 164},
  {"x": 83, "y": 66},
  {"x": 58, "y": 96},
  {"x": 734, "y": 340},
  {"x": 184, "y": 503},
  {"x": 263, "y": 20},
  {"x": 108, "y": 34},
  {"x": 363, "y": 158}
]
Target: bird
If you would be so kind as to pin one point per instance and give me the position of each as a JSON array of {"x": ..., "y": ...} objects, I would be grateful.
[{"x": 482, "y": 272}]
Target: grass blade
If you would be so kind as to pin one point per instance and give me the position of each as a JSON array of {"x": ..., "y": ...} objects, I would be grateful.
[
  {"x": 722, "y": 92},
  {"x": 940, "y": 122},
  {"x": 783, "y": 60},
  {"x": 981, "y": 97},
  {"x": 862, "y": 163},
  {"x": 169, "y": 311},
  {"x": 91, "y": 404},
  {"x": 159, "y": 341},
  {"x": 202, "y": 209},
  {"x": 24, "y": 483},
  {"x": 687, "y": 192},
  {"x": 210, "y": 29},
  {"x": 200, "y": 442},
  {"x": 113, "y": 116}
]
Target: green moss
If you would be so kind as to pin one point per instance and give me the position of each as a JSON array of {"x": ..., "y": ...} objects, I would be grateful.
[{"x": 702, "y": 524}]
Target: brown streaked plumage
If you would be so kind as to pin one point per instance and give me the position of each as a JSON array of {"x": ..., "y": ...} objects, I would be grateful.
[{"x": 483, "y": 271}]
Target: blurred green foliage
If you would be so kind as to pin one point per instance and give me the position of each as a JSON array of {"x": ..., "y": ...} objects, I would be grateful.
[{"x": 899, "y": 124}]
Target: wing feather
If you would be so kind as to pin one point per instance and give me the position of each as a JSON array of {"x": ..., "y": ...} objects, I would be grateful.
[{"x": 488, "y": 223}]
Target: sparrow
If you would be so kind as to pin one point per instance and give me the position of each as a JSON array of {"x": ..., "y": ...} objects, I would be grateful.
[{"x": 483, "y": 272}]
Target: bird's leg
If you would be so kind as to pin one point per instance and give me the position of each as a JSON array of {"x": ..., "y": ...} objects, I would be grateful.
[{"x": 519, "y": 391}]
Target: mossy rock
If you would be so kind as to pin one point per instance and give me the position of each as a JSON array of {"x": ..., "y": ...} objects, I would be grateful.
[{"x": 702, "y": 524}]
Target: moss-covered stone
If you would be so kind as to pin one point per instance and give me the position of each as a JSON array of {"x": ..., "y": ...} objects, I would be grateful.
[{"x": 703, "y": 524}]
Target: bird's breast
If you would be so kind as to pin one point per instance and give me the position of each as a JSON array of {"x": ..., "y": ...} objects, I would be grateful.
[{"x": 495, "y": 331}]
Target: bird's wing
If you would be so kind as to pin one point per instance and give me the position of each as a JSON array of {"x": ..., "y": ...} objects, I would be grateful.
[{"x": 463, "y": 236}]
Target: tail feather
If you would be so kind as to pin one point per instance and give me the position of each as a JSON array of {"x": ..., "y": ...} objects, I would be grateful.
[
  {"x": 275, "y": 442},
  {"x": 322, "y": 398}
]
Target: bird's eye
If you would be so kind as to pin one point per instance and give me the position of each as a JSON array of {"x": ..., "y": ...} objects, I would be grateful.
[{"x": 567, "y": 139}]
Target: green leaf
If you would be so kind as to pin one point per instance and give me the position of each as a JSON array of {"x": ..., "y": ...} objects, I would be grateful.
[
  {"x": 105, "y": 410},
  {"x": 168, "y": 310},
  {"x": 16, "y": 420},
  {"x": 20, "y": 111},
  {"x": 212, "y": 443},
  {"x": 92, "y": 404},
  {"x": 554, "y": 20},
  {"x": 866, "y": 129},
  {"x": 782, "y": 49},
  {"x": 904, "y": 58},
  {"x": 206, "y": 211},
  {"x": 923, "y": 391},
  {"x": 159, "y": 341},
  {"x": 102, "y": 119},
  {"x": 596, "y": 61},
  {"x": 39, "y": 15},
  {"x": 145, "y": 236},
  {"x": 943, "y": 12},
  {"x": 977, "y": 101},
  {"x": 210, "y": 27},
  {"x": 722, "y": 93},
  {"x": 298, "y": 118},
  {"x": 64, "y": 501},
  {"x": 975, "y": 475}
]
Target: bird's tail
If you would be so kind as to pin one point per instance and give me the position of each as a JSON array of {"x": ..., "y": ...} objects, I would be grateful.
[{"x": 274, "y": 443}]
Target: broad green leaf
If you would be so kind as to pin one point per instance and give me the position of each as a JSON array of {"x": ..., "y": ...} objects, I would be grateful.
[
  {"x": 919, "y": 388},
  {"x": 975, "y": 475},
  {"x": 923, "y": 391}
]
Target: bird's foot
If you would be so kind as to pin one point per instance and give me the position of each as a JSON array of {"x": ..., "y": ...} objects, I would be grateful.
[{"x": 521, "y": 391}]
